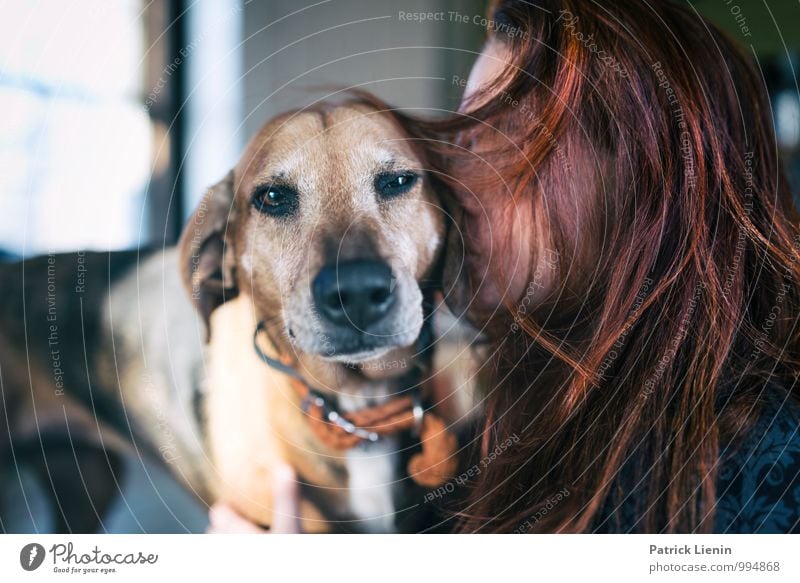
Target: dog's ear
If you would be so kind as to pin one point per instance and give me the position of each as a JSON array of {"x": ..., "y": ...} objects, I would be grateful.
[{"x": 207, "y": 256}]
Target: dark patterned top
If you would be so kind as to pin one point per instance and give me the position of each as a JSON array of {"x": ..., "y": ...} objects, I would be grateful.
[{"x": 758, "y": 483}]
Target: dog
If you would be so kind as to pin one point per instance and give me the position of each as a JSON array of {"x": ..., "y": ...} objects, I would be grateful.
[{"x": 310, "y": 269}]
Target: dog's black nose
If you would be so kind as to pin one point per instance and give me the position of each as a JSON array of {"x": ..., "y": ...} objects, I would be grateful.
[{"x": 354, "y": 293}]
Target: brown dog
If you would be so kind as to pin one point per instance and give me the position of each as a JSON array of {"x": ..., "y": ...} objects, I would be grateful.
[
  {"x": 324, "y": 232},
  {"x": 320, "y": 244}
]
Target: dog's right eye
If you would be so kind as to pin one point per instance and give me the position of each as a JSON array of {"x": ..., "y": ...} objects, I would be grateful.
[{"x": 275, "y": 200}]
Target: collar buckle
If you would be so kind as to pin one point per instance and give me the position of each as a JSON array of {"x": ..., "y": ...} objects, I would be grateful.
[{"x": 332, "y": 415}]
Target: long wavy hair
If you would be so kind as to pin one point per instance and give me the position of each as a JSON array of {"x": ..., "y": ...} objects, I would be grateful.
[{"x": 636, "y": 140}]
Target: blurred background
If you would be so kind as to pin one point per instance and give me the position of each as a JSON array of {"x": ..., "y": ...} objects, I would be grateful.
[{"x": 117, "y": 114}]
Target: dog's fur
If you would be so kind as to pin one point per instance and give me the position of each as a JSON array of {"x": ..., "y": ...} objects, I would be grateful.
[{"x": 135, "y": 351}]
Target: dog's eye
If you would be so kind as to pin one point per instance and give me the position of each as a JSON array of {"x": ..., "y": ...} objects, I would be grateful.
[
  {"x": 275, "y": 200},
  {"x": 392, "y": 184}
]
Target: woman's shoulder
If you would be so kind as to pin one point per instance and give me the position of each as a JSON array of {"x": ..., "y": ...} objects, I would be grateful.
[{"x": 758, "y": 485}]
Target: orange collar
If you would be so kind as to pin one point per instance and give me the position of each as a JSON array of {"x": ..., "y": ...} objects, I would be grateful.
[{"x": 345, "y": 430}]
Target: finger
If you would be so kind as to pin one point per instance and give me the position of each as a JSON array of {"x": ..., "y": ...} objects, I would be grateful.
[
  {"x": 225, "y": 520},
  {"x": 286, "y": 502}
]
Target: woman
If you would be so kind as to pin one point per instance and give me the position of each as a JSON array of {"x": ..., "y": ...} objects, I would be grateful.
[
  {"x": 622, "y": 181},
  {"x": 616, "y": 170}
]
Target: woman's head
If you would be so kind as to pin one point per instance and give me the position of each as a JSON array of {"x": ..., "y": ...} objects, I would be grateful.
[{"x": 631, "y": 250}]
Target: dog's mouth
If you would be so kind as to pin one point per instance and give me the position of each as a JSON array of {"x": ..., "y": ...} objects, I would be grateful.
[
  {"x": 353, "y": 347},
  {"x": 359, "y": 356}
]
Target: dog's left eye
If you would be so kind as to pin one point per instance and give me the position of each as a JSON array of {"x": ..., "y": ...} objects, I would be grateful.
[
  {"x": 392, "y": 184},
  {"x": 275, "y": 200}
]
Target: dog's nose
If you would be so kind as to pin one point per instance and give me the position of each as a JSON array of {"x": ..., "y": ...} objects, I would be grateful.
[{"x": 354, "y": 293}]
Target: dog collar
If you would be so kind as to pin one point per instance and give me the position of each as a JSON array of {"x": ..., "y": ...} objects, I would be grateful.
[{"x": 392, "y": 411}]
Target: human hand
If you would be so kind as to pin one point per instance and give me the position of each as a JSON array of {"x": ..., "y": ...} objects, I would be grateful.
[{"x": 223, "y": 519}]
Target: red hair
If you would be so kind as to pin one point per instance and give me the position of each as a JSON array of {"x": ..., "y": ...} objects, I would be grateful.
[{"x": 636, "y": 139}]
